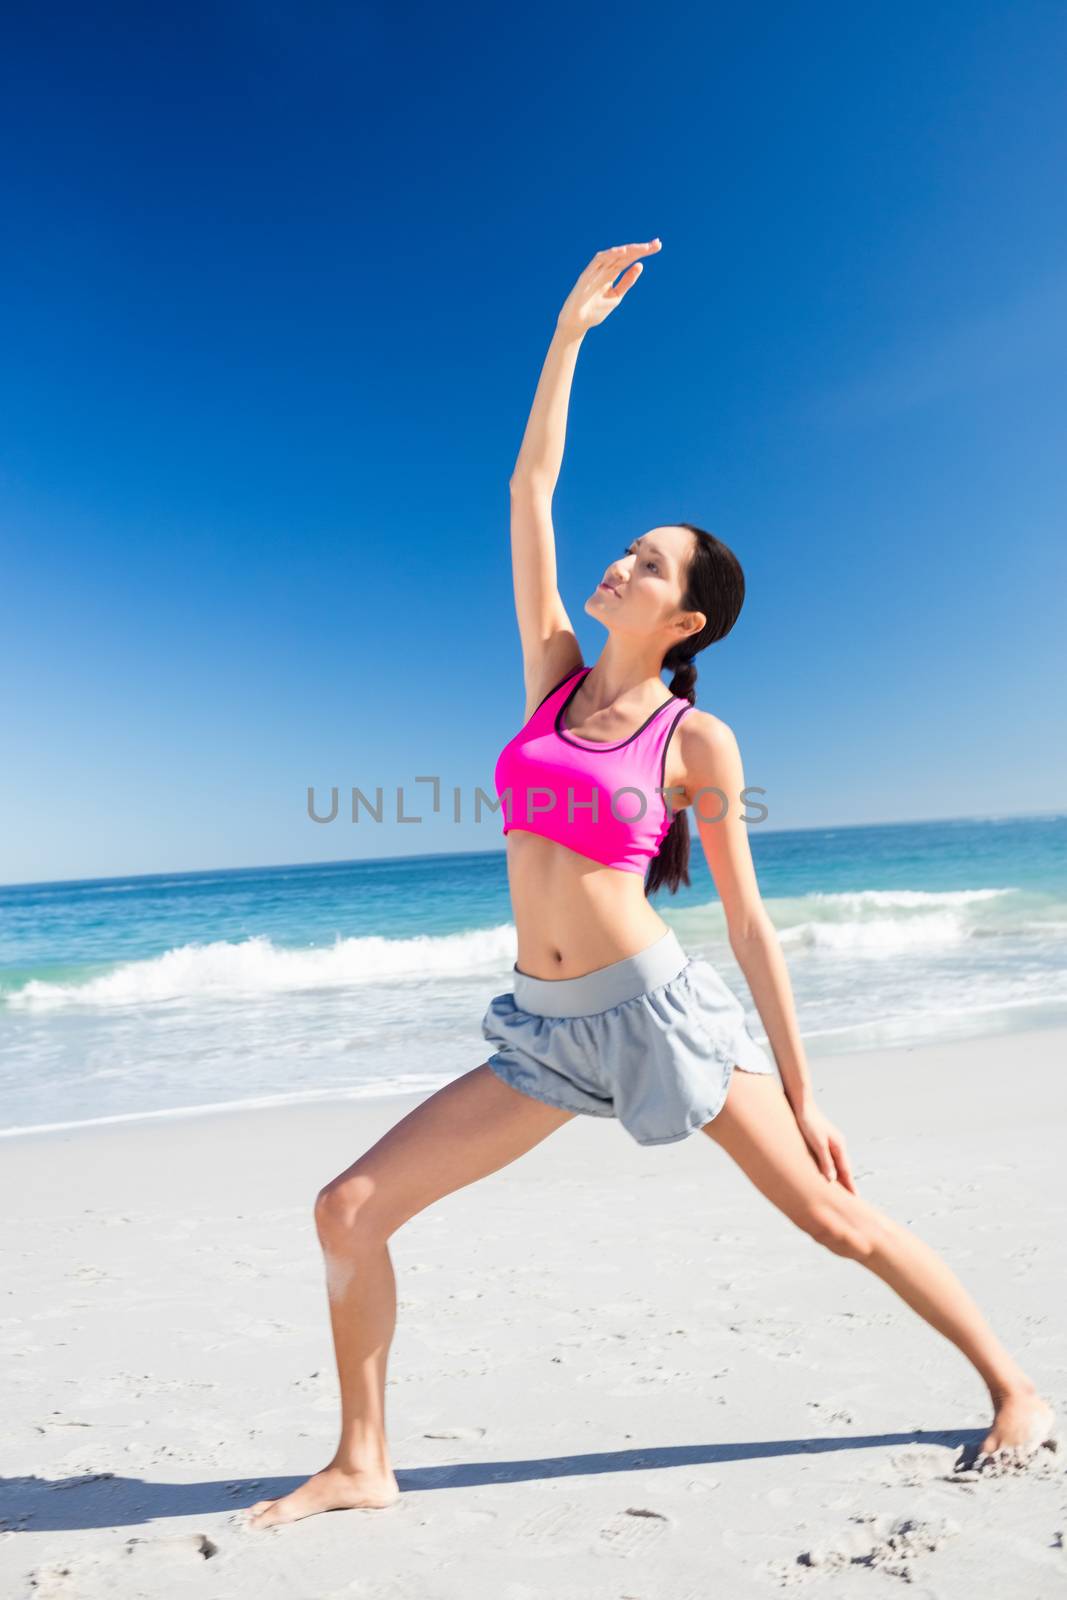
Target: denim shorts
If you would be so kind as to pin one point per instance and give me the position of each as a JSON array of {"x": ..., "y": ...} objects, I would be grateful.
[{"x": 652, "y": 1039}]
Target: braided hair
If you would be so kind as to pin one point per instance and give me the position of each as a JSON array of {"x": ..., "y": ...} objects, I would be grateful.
[{"x": 715, "y": 585}]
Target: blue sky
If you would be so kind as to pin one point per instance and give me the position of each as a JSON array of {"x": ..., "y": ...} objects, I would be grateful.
[{"x": 278, "y": 283}]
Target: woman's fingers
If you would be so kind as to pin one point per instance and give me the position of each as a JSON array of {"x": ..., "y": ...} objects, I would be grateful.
[
  {"x": 844, "y": 1170},
  {"x": 819, "y": 1148},
  {"x": 627, "y": 280},
  {"x": 608, "y": 262}
]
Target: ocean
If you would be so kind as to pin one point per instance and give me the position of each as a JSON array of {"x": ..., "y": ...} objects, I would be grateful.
[{"x": 165, "y": 994}]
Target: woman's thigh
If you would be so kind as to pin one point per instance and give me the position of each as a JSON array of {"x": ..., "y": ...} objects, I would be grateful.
[
  {"x": 757, "y": 1128},
  {"x": 469, "y": 1128}
]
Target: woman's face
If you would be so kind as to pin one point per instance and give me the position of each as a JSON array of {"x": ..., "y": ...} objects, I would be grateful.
[{"x": 642, "y": 588}]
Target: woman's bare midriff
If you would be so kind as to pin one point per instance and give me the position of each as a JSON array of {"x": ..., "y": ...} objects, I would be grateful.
[{"x": 572, "y": 915}]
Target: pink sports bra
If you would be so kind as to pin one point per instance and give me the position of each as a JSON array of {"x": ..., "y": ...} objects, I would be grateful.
[{"x": 602, "y": 800}]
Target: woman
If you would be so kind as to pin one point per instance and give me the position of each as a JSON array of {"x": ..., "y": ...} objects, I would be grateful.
[{"x": 608, "y": 1016}]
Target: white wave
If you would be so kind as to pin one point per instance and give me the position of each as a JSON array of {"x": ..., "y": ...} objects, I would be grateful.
[
  {"x": 878, "y": 936},
  {"x": 409, "y": 1083},
  {"x": 257, "y": 966},
  {"x": 859, "y": 900},
  {"x": 876, "y": 921}
]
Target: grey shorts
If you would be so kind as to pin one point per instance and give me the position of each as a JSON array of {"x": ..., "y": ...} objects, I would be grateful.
[{"x": 652, "y": 1040}]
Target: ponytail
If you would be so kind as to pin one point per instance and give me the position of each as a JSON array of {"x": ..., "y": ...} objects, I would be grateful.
[
  {"x": 671, "y": 865},
  {"x": 715, "y": 585}
]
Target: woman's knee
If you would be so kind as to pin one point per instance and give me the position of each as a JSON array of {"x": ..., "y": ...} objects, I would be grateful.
[
  {"x": 843, "y": 1223},
  {"x": 345, "y": 1210}
]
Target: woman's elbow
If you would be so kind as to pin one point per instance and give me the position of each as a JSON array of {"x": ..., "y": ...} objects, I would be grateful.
[{"x": 751, "y": 926}]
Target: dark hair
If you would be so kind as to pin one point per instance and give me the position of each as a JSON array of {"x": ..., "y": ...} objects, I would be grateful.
[{"x": 714, "y": 584}]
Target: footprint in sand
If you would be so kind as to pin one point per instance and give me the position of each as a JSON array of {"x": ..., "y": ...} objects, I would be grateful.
[
  {"x": 914, "y": 1465},
  {"x": 632, "y": 1532},
  {"x": 480, "y": 1516},
  {"x": 889, "y": 1544},
  {"x": 161, "y": 1565},
  {"x": 553, "y": 1528}
]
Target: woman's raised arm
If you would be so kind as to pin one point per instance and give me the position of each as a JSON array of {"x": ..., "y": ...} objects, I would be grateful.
[{"x": 549, "y": 646}]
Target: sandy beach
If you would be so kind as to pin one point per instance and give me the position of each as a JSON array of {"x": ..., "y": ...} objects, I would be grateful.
[{"x": 618, "y": 1373}]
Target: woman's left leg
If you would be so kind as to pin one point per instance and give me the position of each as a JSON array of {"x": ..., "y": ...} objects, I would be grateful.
[{"x": 757, "y": 1128}]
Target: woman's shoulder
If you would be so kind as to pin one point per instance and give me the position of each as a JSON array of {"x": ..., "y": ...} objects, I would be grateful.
[
  {"x": 706, "y": 743},
  {"x": 707, "y": 756}
]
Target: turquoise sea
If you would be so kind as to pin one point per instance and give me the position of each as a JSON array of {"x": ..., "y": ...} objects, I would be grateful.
[{"x": 131, "y": 997}]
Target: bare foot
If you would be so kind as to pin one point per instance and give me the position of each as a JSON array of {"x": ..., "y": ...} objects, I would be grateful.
[
  {"x": 1022, "y": 1423},
  {"x": 329, "y": 1490}
]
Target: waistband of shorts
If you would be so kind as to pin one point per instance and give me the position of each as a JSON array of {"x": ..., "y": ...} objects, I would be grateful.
[{"x": 606, "y": 987}]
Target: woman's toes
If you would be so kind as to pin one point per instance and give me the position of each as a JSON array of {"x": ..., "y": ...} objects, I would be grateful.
[
  {"x": 1021, "y": 1426},
  {"x": 257, "y": 1515}
]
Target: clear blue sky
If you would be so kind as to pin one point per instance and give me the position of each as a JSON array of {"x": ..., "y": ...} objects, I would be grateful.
[{"x": 278, "y": 282}]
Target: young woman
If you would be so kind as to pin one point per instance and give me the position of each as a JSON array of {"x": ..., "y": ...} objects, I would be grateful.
[{"x": 608, "y": 1016}]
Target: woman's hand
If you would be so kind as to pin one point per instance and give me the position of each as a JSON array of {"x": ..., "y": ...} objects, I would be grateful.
[
  {"x": 593, "y": 297},
  {"x": 827, "y": 1145}
]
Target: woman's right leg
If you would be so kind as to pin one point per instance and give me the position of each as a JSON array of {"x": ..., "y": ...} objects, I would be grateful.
[{"x": 470, "y": 1128}]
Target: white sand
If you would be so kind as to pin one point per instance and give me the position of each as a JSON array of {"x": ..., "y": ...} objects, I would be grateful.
[{"x": 618, "y": 1372}]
